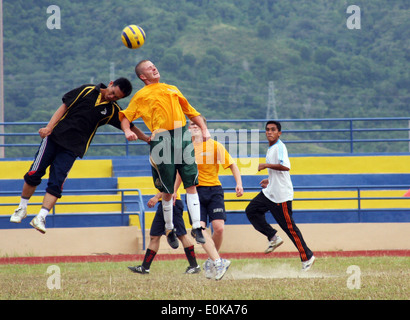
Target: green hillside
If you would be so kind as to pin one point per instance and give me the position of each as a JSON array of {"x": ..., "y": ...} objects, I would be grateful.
[{"x": 220, "y": 53}]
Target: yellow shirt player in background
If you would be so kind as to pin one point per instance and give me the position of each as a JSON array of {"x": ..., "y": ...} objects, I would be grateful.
[
  {"x": 209, "y": 156},
  {"x": 163, "y": 109}
]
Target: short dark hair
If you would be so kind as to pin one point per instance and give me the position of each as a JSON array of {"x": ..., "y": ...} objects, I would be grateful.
[
  {"x": 125, "y": 86},
  {"x": 277, "y": 123},
  {"x": 137, "y": 68}
]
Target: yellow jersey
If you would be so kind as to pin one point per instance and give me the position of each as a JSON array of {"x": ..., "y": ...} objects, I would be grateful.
[
  {"x": 161, "y": 106},
  {"x": 209, "y": 155}
]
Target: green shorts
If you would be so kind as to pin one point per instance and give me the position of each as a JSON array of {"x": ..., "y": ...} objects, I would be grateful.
[{"x": 172, "y": 151}]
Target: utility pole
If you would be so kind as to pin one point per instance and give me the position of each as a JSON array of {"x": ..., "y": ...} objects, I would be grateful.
[
  {"x": 271, "y": 108},
  {"x": 112, "y": 71}
]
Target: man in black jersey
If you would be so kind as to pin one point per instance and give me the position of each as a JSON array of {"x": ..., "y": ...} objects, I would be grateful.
[{"x": 68, "y": 136}]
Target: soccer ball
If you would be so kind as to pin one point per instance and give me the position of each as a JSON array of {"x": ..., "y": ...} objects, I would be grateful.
[{"x": 133, "y": 36}]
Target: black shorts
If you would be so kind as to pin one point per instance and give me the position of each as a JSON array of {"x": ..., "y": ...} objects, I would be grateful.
[
  {"x": 60, "y": 161},
  {"x": 158, "y": 224},
  {"x": 212, "y": 203}
]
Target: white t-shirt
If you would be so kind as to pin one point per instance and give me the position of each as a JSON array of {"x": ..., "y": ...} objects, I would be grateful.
[{"x": 280, "y": 187}]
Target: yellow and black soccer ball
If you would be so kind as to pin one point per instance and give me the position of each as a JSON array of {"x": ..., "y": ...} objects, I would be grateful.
[{"x": 133, "y": 36}]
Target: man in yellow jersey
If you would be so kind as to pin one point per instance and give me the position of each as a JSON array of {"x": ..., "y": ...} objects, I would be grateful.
[
  {"x": 209, "y": 156},
  {"x": 163, "y": 109}
]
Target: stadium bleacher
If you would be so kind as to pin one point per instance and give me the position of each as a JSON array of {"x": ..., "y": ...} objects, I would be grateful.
[
  {"x": 89, "y": 176},
  {"x": 89, "y": 199},
  {"x": 322, "y": 172}
]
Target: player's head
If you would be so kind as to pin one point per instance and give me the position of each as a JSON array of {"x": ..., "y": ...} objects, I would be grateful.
[
  {"x": 277, "y": 123},
  {"x": 194, "y": 129},
  {"x": 117, "y": 90},
  {"x": 125, "y": 86},
  {"x": 193, "y": 124},
  {"x": 147, "y": 72},
  {"x": 273, "y": 130}
]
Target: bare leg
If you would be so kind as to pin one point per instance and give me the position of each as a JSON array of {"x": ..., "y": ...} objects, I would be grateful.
[
  {"x": 217, "y": 236},
  {"x": 154, "y": 243},
  {"x": 209, "y": 245},
  {"x": 49, "y": 201},
  {"x": 28, "y": 191}
]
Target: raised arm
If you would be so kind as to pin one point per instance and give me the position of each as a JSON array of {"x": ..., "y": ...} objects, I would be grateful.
[
  {"x": 129, "y": 134},
  {"x": 278, "y": 167},
  {"x": 237, "y": 176},
  {"x": 48, "y": 129},
  {"x": 141, "y": 135},
  {"x": 201, "y": 124}
]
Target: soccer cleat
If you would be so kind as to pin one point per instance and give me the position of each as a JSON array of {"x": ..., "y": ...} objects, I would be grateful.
[
  {"x": 209, "y": 269},
  {"x": 197, "y": 235},
  {"x": 306, "y": 265},
  {"x": 274, "y": 243},
  {"x": 19, "y": 214},
  {"x": 139, "y": 269},
  {"x": 193, "y": 269},
  {"x": 39, "y": 223},
  {"x": 172, "y": 238},
  {"x": 221, "y": 266}
]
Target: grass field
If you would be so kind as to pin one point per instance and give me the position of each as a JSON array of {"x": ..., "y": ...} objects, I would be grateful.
[{"x": 331, "y": 278}]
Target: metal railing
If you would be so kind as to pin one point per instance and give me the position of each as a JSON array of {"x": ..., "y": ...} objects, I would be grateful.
[
  {"x": 123, "y": 213},
  {"x": 359, "y": 198},
  {"x": 338, "y": 132}
]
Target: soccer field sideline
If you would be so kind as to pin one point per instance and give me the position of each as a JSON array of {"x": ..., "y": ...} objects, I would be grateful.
[{"x": 203, "y": 256}]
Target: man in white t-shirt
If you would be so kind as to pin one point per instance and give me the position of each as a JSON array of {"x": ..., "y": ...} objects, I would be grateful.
[{"x": 276, "y": 197}]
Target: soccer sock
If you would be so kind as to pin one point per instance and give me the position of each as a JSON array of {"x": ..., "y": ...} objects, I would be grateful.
[
  {"x": 149, "y": 257},
  {"x": 168, "y": 211},
  {"x": 43, "y": 212},
  {"x": 190, "y": 255},
  {"x": 23, "y": 202},
  {"x": 194, "y": 209}
]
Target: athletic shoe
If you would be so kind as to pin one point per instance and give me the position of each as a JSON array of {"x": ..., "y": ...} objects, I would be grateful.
[
  {"x": 209, "y": 269},
  {"x": 139, "y": 269},
  {"x": 172, "y": 238},
  {"x": 274, "y": 243},
  {"x": 39, "y": 223},
  {"x": 19, "y": 214},
  {"x": 221, "y": 266},
  {"x": 306, "y": 265},
  {"x": 197, "y": 235},
  {"x": 193, "y": 269}
]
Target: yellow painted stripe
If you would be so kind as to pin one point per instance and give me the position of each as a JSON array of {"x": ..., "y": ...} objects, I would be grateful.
[
  {"x": 330, "y": 165},
  {"x": 145, "y": 184},
  {"x": 248, "y": 166},
  {"x": 332, "y": 204},
  {"x": 80, "y": 169}
]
